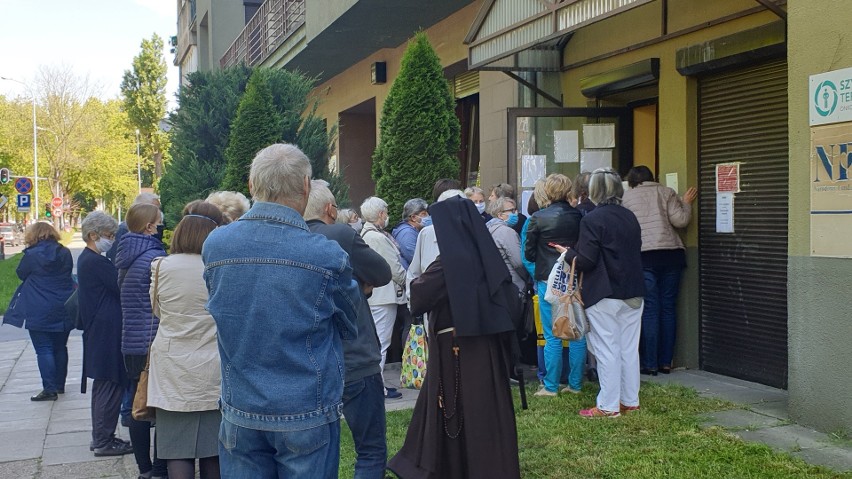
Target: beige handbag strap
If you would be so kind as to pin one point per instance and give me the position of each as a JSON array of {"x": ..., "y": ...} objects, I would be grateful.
[
  {"x": 571, "y": 275},
  {"x": 156, "y": 294}
]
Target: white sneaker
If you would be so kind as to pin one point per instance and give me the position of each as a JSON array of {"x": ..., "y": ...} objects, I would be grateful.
[
  {"x": 568, "y": 389},
  {"x": 544, "y": 392}
]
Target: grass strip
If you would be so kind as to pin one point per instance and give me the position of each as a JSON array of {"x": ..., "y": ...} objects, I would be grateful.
[
  {"x": 663, "y": 440},
  {"x": 8, "y": 280}
]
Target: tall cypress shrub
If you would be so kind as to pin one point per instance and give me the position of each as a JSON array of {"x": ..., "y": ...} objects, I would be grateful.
[
  {"x": 200, "y": 129},
  {"x": 419, "y": 130},
  {"x": 256, "y": 126}
]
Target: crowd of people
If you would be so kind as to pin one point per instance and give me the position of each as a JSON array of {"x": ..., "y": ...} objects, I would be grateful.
[{"x": 268, "y": 321}]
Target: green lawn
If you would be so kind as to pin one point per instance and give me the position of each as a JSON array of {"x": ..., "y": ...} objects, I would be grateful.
[
  {"x": 8, "y": 280},
  {"x": 664, "y": 440}
]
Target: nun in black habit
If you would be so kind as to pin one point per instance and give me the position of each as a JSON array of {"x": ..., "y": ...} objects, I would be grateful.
[{"x": 464, "y": 421}]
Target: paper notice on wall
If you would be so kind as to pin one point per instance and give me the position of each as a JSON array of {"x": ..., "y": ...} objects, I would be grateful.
[
  {"x": 728, "y": 178},
  {"x": 671, "y": 181},
  {"x": 566, "y": 146},
  {"x": 525, "y": 201},
  {"x": 599, "y": 135},
  {"x": 590, "y": 160},
  {"x": 724, "y": 212},
  {"x": 532, "y": 168}
]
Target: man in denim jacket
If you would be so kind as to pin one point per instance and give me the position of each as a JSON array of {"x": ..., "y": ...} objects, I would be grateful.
[{"x": 283, "y": 298}]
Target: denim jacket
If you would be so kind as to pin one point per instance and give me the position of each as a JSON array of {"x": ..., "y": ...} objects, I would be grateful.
[{"x": 282, "y": 298}]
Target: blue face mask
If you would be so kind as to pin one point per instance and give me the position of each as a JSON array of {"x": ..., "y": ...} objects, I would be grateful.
[
  {"x": 512, "y": 220},
  {"x": 426, "y": 221}
]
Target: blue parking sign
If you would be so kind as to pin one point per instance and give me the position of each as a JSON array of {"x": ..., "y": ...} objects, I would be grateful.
[{"x": 23, "y": 202}]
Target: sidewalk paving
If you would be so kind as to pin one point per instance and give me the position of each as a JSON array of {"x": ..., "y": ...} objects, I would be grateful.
[{"x": 45, "y": 440}]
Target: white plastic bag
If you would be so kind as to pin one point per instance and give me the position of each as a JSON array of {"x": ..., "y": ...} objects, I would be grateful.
[{"x": 557, "y": 281}]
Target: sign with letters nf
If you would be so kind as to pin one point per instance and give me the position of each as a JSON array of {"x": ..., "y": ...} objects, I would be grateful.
[
  {"x": 831, "y": 190},
  {"x": 830, "y": 97}
]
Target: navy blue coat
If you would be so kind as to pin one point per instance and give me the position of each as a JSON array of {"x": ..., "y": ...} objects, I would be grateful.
[
  {"x": 100, "y": 311},
  {"x": 39, "y": 302},
  {"x": 133, "y": 260}
]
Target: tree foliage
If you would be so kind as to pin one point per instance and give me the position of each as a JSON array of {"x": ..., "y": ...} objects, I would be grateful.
[
  {"x": 144, "y": 91},
  {"x": 256, "y": 126},
  {"x": 86, "y": 148},
  {"x": 419, "y": 130},
  {"x": 201, "y": 127}
]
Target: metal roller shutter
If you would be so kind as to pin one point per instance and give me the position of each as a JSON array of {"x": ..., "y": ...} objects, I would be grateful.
[{"x": 743, "y": 276}]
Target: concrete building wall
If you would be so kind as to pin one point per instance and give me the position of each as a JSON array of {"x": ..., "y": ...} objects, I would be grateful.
[
  {"x": 677, "y": 107},
  {"x": 497, "y": 92},
  {"x": 820, "y": 325},
  {"x": 352, "y": 86}
]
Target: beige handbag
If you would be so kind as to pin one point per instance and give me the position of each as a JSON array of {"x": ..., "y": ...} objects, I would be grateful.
[{"x": 141, "y": 411}]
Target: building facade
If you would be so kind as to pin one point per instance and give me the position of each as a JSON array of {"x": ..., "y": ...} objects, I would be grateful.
[
  {"x": 707, "y": 94},
  {"x": 205, "y": 31}
]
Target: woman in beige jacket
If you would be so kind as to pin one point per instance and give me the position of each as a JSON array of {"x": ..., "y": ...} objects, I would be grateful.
[
  {"x": 185, "y": 377},
  {"x": 659, "y": 211}
]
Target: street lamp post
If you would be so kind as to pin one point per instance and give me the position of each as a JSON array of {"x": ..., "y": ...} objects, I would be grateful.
[
  {"x": 35, "y": 137},
  {"x": 138, "y": 162}
]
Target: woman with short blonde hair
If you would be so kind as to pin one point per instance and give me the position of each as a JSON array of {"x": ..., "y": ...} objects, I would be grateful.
[
  {"x": 556, "y": 224},
  {"x": 233, "y": 204}
]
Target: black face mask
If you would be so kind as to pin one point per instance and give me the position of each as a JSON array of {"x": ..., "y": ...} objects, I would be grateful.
[{"x": 159, "y": 233}]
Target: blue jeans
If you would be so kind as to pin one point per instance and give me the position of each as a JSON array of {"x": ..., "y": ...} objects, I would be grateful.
[
  {"x": 52, "y": 356},
  {"x": 553, "y": 350},
  {"x": 364, "y": 410},
  {"x": 542, "y": 369},
  {"x": 659, "y": 320},
  {"x": 250, "y": 454}
]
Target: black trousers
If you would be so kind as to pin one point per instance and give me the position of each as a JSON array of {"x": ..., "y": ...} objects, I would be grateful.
[
  {"x": 140, "y": 431},
  {"x": 106, "y": 403}
]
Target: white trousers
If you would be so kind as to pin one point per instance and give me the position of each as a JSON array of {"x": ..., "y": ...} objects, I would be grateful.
[
  {"x": 614, "y": 340},
  {"x": 384, "y": 315}
]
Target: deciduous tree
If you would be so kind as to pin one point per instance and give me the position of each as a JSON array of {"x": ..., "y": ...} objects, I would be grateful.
[{"x": 144, "y": 91}]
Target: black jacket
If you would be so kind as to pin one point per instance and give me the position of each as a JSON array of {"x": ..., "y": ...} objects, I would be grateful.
[
  {"x": 609, "y": 253},
  {"x": 361, "y": 355},
  {"x": 558, "y": 223}
]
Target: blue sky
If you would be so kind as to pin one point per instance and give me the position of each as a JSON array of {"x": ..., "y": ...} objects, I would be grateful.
[{"x": 98, "y": 38}]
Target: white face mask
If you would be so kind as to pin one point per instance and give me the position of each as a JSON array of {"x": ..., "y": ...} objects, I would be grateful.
[
  {"x": 387, "y": 221},
  {"x": 480, "y": 207},
  {"x": 103, "y": 245},
  {"x": 357, "y": 225}
]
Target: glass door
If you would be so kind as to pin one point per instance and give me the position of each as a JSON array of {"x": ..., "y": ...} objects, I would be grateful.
[{"x": 568, "y": 141}]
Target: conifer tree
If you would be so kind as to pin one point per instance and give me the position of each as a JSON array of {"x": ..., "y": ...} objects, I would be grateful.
[
  {"x": 419, "y": 130},
  {"x": 256, "y": 126}
]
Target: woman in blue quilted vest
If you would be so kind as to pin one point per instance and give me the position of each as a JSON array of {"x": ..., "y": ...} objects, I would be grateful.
[{"x": 136, "y": 250}]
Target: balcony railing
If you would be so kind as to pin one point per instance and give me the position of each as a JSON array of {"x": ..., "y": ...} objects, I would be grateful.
[{"x": 273, "y": 23}]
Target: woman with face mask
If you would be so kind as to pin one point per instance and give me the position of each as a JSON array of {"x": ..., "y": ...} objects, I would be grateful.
[
  {"x": 385, "y": 298},
  {"x": 100, "y": 312},
  {"x": 348, "y": 216},
  {"x": 508, "y": 242},
  {"x": 475, "y": 194},
  {"x": 136, "y": 250}
]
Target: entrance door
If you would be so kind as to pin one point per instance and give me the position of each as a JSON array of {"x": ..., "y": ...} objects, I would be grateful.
[
  {"x": 566, "y": 140},
  {"x": 743, "y": 274}
]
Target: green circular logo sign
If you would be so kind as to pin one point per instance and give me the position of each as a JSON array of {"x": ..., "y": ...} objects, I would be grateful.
[{"x": 825, "y": 98}]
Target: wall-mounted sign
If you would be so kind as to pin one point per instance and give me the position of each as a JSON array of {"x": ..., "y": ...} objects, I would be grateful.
[
  {"x": 728, "y": 178},
  {"x": 831, "y": 190},
  {"x": 830, "y": 97}
]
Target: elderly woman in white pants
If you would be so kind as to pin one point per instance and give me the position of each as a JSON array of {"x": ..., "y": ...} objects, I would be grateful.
[
  {"x": 609, "y": 253},
  {"x": 384, "y": 300}
]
